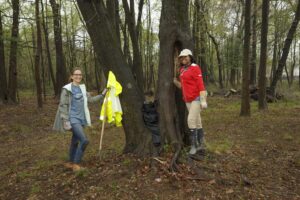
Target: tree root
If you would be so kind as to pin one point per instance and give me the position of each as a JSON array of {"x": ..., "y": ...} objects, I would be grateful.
[{"x": 173, "y": 164}]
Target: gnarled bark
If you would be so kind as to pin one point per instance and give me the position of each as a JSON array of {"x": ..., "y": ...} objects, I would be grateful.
[{"x": 174, "y": 35}]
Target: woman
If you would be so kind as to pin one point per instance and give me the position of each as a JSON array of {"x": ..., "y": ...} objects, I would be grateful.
[
  {"x": 194, "y": 95},
  {"x": 73, "y": 114}
]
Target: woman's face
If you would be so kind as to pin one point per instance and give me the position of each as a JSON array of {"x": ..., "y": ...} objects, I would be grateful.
[
  {"x": 77, "y": 76},
  {"x": 184, "y": 60}
]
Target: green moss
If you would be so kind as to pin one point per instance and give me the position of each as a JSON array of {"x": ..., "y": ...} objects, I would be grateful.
[
  {"x": 220, "y": 146},
  {"x": 35, "y": 188}
]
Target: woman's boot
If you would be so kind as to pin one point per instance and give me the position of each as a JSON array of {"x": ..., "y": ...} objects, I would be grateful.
[{"x": 201, "y": 149}]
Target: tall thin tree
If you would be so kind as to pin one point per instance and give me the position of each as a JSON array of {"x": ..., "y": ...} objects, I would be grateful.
[
  {"x": 245, "y": 106},
  {"x": 12, "y": 82},
  {"x": 61, "y": 74},
  {"x": 46, "y": 35},
  {"x": 285, "y": 50},
  {"x": 253, "y": 49},
  {"x": 262, "y": 104},
  {"x": 134, "y": 30},
  {"x": 37, "y": 60},
  {"x": 3, "y": 79}
]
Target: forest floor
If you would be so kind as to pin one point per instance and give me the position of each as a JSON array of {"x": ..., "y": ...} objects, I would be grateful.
[{"x": 248, "y": 158}]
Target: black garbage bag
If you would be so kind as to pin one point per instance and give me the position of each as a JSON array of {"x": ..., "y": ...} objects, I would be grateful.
[{"x": 151, "y": 120}]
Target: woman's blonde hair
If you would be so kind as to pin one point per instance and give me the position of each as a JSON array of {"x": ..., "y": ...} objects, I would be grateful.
[{"x": 72, "y": 72}]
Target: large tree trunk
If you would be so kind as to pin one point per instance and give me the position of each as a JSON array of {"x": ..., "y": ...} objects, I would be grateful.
[
  {"x": 37, "y": 55},
  {"x": 262, "y": 104},
  {"x": 174, "y": 35},
  {"x": 61, "y": 74},
  {"x": 3, "y": 80},
  {"x": 245, "y": 106},
  {"x": 109, "y": 53},
  {"x": 113, "y": 11},
  {"x": 285, "y": 50},
  {"x": 12, "y": 82}
]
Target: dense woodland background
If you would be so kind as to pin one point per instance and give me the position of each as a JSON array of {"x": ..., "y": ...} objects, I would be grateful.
[{"x": 40, "y": 45}]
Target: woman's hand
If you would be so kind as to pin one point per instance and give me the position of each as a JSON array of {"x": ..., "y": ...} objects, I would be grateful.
[
  {"x": 176, "y": 82},
  {"x": 67, "y": 125},
  {"x": 105, "y": 91}
]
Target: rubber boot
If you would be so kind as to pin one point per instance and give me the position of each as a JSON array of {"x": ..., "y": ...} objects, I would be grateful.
[
  {"x": 193, "y": 140},
  {"x": 201, "y": 149}
]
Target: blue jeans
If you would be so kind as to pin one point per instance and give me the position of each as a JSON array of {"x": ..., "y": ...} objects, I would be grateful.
[{"x": 78, "y": 143}]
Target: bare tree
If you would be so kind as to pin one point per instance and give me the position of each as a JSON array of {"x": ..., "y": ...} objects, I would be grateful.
[
  {"x": 245, "y": 106},
  {"x": 134, "y": 29},
  {"x": 61, "y": 74},
  {"x": 12, "y": 82},
  {"x": 46, "y": 35},
  {"x": 110, "y": 55},
  {"x": 253, "y": 49},
  {"x": 174, "y": 35},
  {"x": 3, "y": 80},
  {"x": 285, "y": 50},
  {"x": 262, "y": 104},
  {"x": 38, "y": 51},
  {"x": 293, "y": 55}
]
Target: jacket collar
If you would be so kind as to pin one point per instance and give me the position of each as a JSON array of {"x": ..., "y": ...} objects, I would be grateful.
[{"x": 69, "y": 87}]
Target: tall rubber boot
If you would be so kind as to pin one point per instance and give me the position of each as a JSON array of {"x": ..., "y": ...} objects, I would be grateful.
[
  {"x": 193, "y": 140},
  {"x": 201, "y": 148}
]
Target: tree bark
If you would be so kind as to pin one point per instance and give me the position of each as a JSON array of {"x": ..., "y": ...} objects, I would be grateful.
[
  {"x": 245, "y": 106},
  {"x": 293, "y": 64},
  {"x": 12, "y": 82},
  {"x": 113, "y": 11},
  {"x": 61, "y": 74},
  {"x": 219, "y": 59},
  {"x": 37, "y": 56},
  {"x": 262, "y": 103},
  {"x": 253, "y": 49},
  {"x": 200, "y": 38},
  {"x": 3, "y": 79},
  {"x": 285, "y": 50},
  {"x": 108, "y": 51},
  {"x": 46, "y": 35},
  {"x": 174, "y": 35},
  {"x": 134, "y": 35}
]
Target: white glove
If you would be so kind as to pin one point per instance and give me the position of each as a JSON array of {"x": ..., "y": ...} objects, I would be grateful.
[
  {"x": 203, "y": 102},
  {"x": 203, "y": 105}
]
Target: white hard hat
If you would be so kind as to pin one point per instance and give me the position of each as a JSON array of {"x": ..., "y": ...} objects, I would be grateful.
[{"x": 185, "y": 52}]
